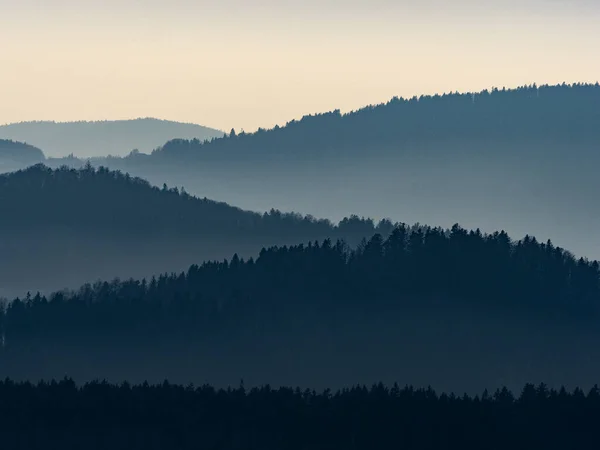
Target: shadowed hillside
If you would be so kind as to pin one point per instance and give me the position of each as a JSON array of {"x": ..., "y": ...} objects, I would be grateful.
[
  {"x": 65, "y": 227},
  {"x": 103, "y": 138},
  {"x": 15, "y": 155}
]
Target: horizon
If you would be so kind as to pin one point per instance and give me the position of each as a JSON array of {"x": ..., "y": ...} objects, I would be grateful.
[
  {"x": 130, "y": 119},
  {"x": 244, "y": 66},
  {"x": 284, "y": 122}
]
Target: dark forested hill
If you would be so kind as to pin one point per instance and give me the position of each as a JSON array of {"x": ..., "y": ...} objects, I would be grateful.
[
  {"x": 456, "y": 309},
  {"x": 101, "y": 138},
  {"x": 519, "y": 159},
  {"x": 64, "y": 227},
  {"x": 14, "y": 155},
  {"x": 101, "y": 416}
]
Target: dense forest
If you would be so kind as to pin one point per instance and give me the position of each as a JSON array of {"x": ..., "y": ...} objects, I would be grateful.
[
  {"x": 102, "y": 138},
  {"x": 101, "y": 199},
  {"x": 99, "y": 415},
  {"x": 288, "y": 299},
  {"x": 425, "y": 287},
  {"x": 518, "y": 159},
  {"x": 425, "y": 263},
  {"x": 67, "y": 227},
  {"x": 568, "y": 113}
]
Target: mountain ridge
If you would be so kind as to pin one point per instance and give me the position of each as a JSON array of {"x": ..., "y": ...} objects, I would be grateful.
[
  {"x": 15, "y": 154},
  {"x": 99, "y": 224},
  {"x": 453, "y": 308},
  {"x": 522, "y": 160},
  {"x": 415, "y": 118},
  {"x": 103, "y": 137},
  {"x": 519, "y": 159}
]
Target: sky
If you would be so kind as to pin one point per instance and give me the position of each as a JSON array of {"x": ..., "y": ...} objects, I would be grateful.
[{"x": 246, "y": 64}]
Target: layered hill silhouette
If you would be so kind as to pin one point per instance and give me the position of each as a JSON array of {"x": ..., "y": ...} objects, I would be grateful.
[
  {"x": 457, "y": 309},
  {"x": 101, "y": 138},
  {"x": 567, "y": 113},
  {"x": 519, "y": 159},
  {"x": 14, "y": 155},
  {"x": 65, "y": 227}
]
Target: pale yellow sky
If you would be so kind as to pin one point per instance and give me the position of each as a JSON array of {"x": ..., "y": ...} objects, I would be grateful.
[{"x": 260, "y": 63}]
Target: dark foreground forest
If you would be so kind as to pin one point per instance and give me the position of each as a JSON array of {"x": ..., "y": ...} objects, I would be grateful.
[
  {"x": 457, "y": 309},
  {"x": 99, "y": 415}
]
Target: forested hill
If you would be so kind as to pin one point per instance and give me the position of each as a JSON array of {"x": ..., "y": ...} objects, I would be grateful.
[
  {"x": 66, "y": 226},
  {"x": 567, "y": 113},
  {"x": 523, "y": 160},
  {"x": 105, "y": 201},
  {"x": 102, "y": 138},
  {"x": 455, "y": 308},
  {"x": 17, "y": 154}
]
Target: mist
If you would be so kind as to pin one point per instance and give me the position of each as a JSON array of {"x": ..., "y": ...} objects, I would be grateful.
[{"x": 455, "y": 350}]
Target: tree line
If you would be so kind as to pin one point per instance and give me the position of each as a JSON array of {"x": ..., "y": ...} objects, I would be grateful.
[
  {"x": 99, "y": 199},
  {"x": 411, "y": 266},
  {"x": 99, "y": 415},
  {"x": 64, "y": 227},
  {"x": 567, "y": 113}
]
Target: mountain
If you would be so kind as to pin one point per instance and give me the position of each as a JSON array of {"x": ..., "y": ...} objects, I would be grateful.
[
  {"x": 61, "y": 228},
  {"x": 14, "y": 155},
  {"x": 567, "y": 113},
  {"x": 101, "y": 138},
  {"x": 456, "y": 309},
  {"x": 524, "y": 160}
]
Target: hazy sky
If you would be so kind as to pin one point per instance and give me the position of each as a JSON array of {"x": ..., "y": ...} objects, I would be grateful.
[{"x": 251, "y": 63}]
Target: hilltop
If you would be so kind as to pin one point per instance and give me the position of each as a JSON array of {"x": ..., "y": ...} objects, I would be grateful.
[
  {"x": 519, "y": 159},
  {"x": 568, "y": 113},
  {"x": 102, "y": 138},
  {"x": 14, "y": 155},
  {"x": 68, "y": 226}
]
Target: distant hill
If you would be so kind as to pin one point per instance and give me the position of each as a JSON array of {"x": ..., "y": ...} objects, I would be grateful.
[
  {"x": 564, "y": 113},
  {"x": 103, "y": 138},
  {"x": 14, "y": 155},
  {"x": 523, "y": 159},
  {"x": 63, "y": 227}
]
